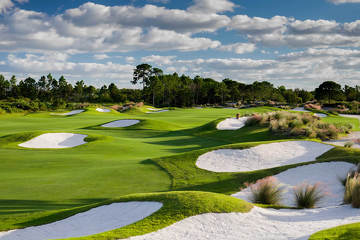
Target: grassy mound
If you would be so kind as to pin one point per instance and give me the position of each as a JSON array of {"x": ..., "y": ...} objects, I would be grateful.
[
  {"x": 176, "y": 206},
  {"x": 298, "y": 125},
  {"x": 345, "y": 232}
]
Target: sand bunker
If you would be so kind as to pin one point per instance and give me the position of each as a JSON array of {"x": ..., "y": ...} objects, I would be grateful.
[
  {"x": 300, "y": 109},
  {"x": 264, "y": 224},
  {"x": 121, "y": 123},
  {"x": 96, "y": 220},
  {"x": 159, "y": 111},
  {"x": 352, "y": 137},
  {"x": 232, "y": 123},
  {"x": 321, "y": 115},
  {"x": 55, "y": 140},
  {"x": 103, "y": 110},
  {"x": 258, "y": 224},
  {"x": 74, "y": 112},
  {"x": 326, "y": 174},
  {"x": 261, "y": 157}
]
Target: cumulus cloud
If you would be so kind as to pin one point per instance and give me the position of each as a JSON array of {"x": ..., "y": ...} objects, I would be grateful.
[
  {"x": 283, "y": 31},
  {"x": 94, "y": 28},
  {"x": 344, "y": 1},
  {"x": 212, "y": 6},
  {"x": 239, "y": 48},
  {"x": 58, "y": 63},
  {"x": 159, "y": 60},
  {"x": 5, "y": 5},
  {"x": 101, "y": 56}
]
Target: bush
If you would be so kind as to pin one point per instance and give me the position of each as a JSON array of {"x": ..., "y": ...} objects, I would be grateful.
[
  {"x": 298, "y": 125},
  {"x": 266, "y": 191},
  {"x": 308, "y": 196}
]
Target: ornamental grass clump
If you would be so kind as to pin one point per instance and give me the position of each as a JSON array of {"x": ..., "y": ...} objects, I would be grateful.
[
  {"x": 267, "y": 191},
  {"x": 308, "y": 196},
  {"x": 304, "y": 125},
  {"x": 352, "y": 187}
]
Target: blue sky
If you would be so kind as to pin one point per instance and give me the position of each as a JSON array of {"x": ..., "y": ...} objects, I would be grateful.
[{"x": 297, "y": 43}]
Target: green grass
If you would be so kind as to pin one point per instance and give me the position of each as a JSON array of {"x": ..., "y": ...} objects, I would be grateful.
[
  {"x": 115, "y": 163},
  {"x": 345, "y": 232},
  {"x": 186, "y": 176},
  {"x": 158, "y": 155}
]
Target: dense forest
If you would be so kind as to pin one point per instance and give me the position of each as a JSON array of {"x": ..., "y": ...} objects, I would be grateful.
[{"x": 162, "y": 90}]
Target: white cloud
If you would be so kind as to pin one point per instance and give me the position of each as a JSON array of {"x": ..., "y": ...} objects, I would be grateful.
[
  {"x": 159, "y": 60},
  {"x": 283, "y": 31},
  {"x": 344, "y": 1},
  {"x": 239, "y": 48},
  {"x": 5, "y": 5},
  {"x": 58, "y": 64},
  {"x": 101, "y": 56},
  {"x": 98, "y": 28},
  {"x": 130, "y": 59},
  {"x": 212, "y": 6}
]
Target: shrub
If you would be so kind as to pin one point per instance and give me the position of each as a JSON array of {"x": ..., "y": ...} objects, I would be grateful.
[
  {"x": 266, "y": 191},
  {"x": 355, "y": 202},
  {"x": 298, "y": 125},
  {"x": 352, "y": 187},
  {"x": 308, "y": 196}
]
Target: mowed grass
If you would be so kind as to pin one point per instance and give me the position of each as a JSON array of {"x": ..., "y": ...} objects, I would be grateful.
[
  {"x": 157, "y": 155},
  {"x": 115, "y": 163}
]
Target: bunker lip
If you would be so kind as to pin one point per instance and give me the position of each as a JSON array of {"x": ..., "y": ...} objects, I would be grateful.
[
  {"x": 96, "y": 220},
  {"x": 121, "y": 123},
  {"x": 55, "y": 140},
  {"x": 232, "y": 123},
  {"x": 263, "y": 156}
]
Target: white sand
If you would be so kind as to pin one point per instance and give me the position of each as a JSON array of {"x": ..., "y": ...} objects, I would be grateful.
[
  {"x": 152, "y": 109},
  {"x": 300, "y": 109},
  {"x": 327, "y": 174},
  {"x": 96, "y": 220},
  {"x": 232, "y": 123},
  {"x": 74, "y": 112},
  {"x": 349, "y": 138},
  {"x": 261, "y": 157},
  {"x": 121, "y": 123},
  {"x": 103, "y": 110},
  {"x": 321, "y": 115},
  {"x": 271, "y": 224},
  {"x": 259, "y": 224},
  {"x": 159, "y": 111},
  {"x": 55, "y": 140}
]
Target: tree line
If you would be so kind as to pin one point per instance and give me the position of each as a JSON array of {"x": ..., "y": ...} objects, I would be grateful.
[{"x": 161, "y": 89}]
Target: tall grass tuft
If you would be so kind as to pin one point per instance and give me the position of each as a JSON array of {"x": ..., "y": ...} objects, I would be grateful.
[
  {"x": 308, "y": 196},
  {"x": 267, "y": 191},
  {"x": 352, "y": 187}
]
